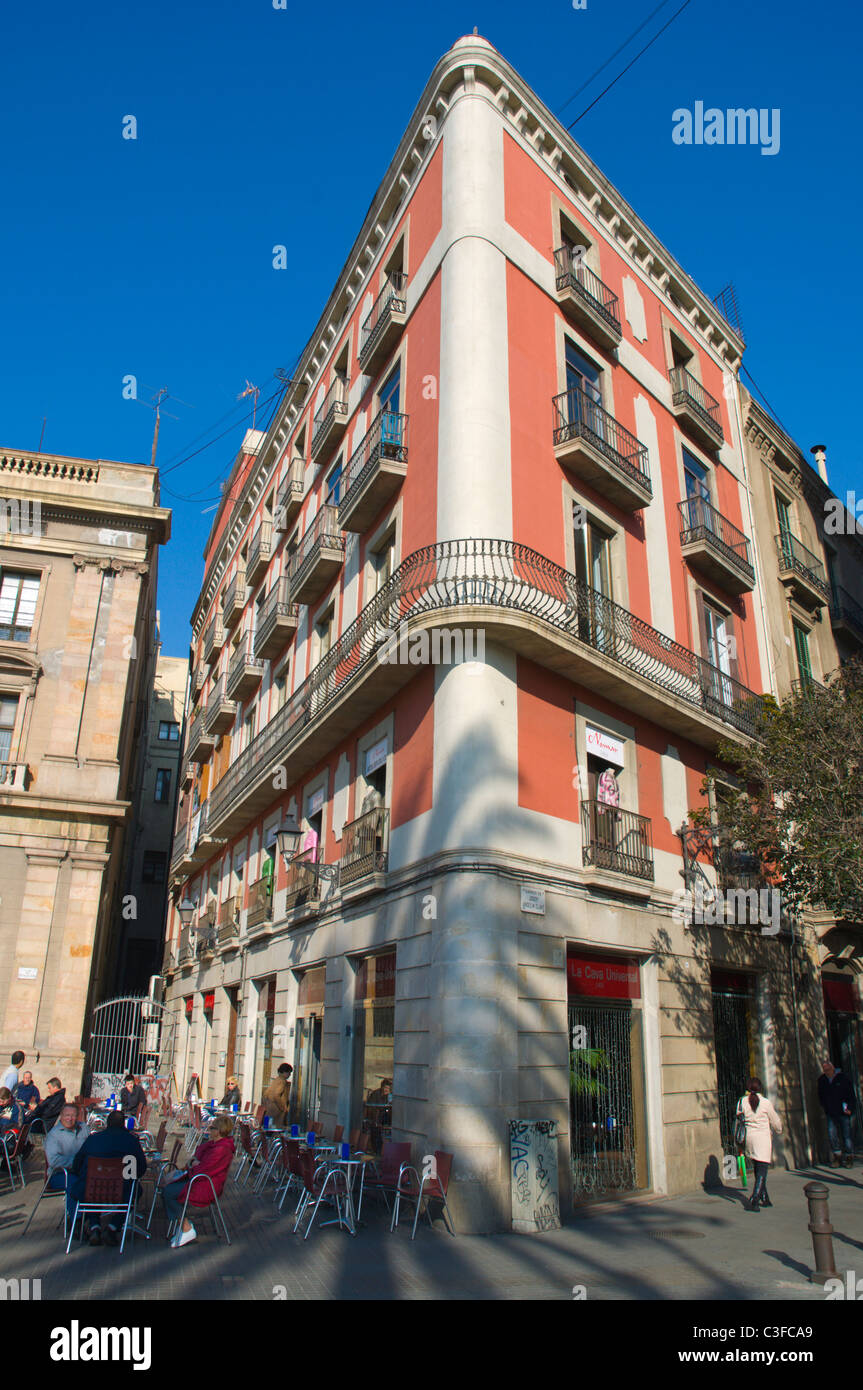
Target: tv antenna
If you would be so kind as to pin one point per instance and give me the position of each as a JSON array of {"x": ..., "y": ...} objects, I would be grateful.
[
  {"x": 251, "y": 390},
  {"x": 155, "y": 403}
]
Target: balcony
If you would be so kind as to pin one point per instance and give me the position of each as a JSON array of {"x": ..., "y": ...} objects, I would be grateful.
[
  {"x": 214, "y": 641},
  {"x": 695, "y": 408},
  {"x": 713, "y": 545},
  {"x": 585, "y": 300},
  {"x": 234, "y": 600},
  {"x": 245, "y": 672},
  {"x": 205, "y": 945},
  {"x": 220, "y": 712},
  {"x": 303, "y": 888},
  {"x": 202, "y": 843},
  {"x": 592, "y": 445},
  {"x": 330, "y": 420},
  {"x": 186, "y": 951},
  {"x": 260, "y": 910},
  {"x": 201, "y": 740},
  {"x": 290, "y": 497},
  {"x": 187, "y": 776},
  {"x": 522, "y": 601},
  {"x": 846, "y": 614},
  {"x": 318, "y": 558},
  {"x": 181, "y": 859},
  {"x": 801, "y": 571},
  {"x": 616, "y": 841},
  {"x": 198, "y": 680},
  {"x": 277, "y": 620},
  {"x": 260, "y": 550},
  {"x": 365, "y": 846},
  {"x": 381, "y": 329},
  {"x": 227, "y": 929},
  {"x": 15, "y": 776},
  {"x": 374, "y": 472}
]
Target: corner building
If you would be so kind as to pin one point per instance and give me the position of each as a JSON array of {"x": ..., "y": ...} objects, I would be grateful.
[{"x": 496, "y": 434}]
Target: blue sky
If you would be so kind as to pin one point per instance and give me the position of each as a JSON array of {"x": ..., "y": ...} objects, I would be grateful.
[{"x": 259, "y": 126}]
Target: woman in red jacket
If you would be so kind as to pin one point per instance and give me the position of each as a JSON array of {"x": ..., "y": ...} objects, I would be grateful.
[{"x": 213, "y": 1157}]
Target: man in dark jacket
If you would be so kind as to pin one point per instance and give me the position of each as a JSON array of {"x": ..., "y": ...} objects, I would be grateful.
[
  {"x": 838, "y": 1102},
  {"x": 114, "y": 1141},
  {"x": 44, "y": 1115},
  {"x": 132, "y": 1095}
]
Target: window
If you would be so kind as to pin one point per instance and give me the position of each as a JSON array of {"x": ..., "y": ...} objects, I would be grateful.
[
  {"x": 163, "y": 784},
  {"x": 783, "y": 512},
  {"x": 168, "y": 731},
  {"x": 248, "y": 728},
  {"x": 582, "y": 374},
  {"x": 154, "y": 866},
  {"x": 593, "y": 557},
  {"x": 18, "y": 595},
  {"x": 383, "y": 561},
  {"x": 334, "y": 484},
  {"x": 719, "y": 652},
  {"x": 801, "y": 650},
  {"x": 8, "y": 715},
  {"x": 695, "y": 477},
  {"x": 280, "y": 685},
  {"x": 390, "y": 391},
  {"x": 324, "y": 630}
]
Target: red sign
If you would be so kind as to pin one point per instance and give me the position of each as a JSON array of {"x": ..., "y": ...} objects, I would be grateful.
[
  {"x": 605, "y": 977},
  {"x": 190, "y": 1004},
  {"x": 209, "y": 1003},
  {"x": 839, "y": 995}
]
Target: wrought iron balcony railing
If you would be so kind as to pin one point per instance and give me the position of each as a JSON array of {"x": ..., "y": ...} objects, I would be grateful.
[
  {"x": 324, "y": 533},
  {"x": 616, "y": 840},
  {"x": 845, "y": 611},
  {"x": 260, "y": 550},
  {"x": 572, "y": 274},
  {"x": 796, "y": 560},
  {"x": 277, "y": 619},
  {"x": 807, "y": 685},
  {"x": 579, "y": 416},
  {"x": 201, "y": 741},
  {"x": 387, "y": 438},
  {"x": 260, "y": 909},
  {"x": 220, "y": 711},
  {"x": 303, "y": 878},
  {"x": 391, "y": 300},
  {"x": 701, "y": 522},
  {"x": 687, "y": 391},
  {"x": 214, "y": 641},
  {"x": 227, "y": 929},
  {"x": 333, "y": 412},
  {"x": 206, "y": 942},
  {"x": 365, "y": 846},
  {"x": 290, "y": 495},
  {"x": 511, "y": 579},
  {"x": 245, "y": 671},
  {"x": 234, "y": 600}
]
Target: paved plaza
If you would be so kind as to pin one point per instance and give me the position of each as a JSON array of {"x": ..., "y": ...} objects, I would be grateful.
[{"x": 701, "y": 1246}]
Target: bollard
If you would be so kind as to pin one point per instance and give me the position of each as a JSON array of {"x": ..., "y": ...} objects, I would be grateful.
[{"x": 819, "y": 1224}]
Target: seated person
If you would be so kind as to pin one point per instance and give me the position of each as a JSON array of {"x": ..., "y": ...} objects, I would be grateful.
[
  {"x": 132, "y": 1095},
  {"x": 63, "y": 1143},
  {"x": 232, "y": 1094},
  {"x": 25, "y": 1091},
  {"x": 10, "y": 1111},
  {"x": 213, "y": 1157},
  {"x": 114, "y": 1141},
  {"x": 44, "y": 1115}
]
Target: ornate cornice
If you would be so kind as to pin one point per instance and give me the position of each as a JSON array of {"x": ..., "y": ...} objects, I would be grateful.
[{"x": 110, "y": 565}]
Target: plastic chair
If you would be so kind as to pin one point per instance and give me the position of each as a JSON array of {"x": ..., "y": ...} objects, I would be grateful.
[
  {"x": 49, "y": 1192},
  {"x": 103, "y": 1193},
  {"x": 432, "y": 1186},
  {"x": 213, "y": 1202}
]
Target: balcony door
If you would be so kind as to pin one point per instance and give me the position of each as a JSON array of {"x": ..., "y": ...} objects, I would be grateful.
[
  {"x": 695, "y": 479},
  {"x": 389, "y": 399},
  {"x": 593, "y": 570},
  {"x": 719, "y": 649}
]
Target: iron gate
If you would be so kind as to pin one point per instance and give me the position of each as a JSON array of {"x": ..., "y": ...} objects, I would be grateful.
[
  {"x": 603, "y": 1138},
  {"x": 734, "y": 1061},
  {"x": 131, "y": 1034}
]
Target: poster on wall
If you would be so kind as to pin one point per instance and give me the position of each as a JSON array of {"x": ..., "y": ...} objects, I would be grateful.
[{"x": 533, "y": 1175}]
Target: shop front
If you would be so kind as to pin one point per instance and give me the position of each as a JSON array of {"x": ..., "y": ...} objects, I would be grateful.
[
  {"x": 374, "y": 1037},
  {"x": 608, "y": 1125},
  {"x": 264, "y": 1037},
  {"x": 308, "y": 1033}
]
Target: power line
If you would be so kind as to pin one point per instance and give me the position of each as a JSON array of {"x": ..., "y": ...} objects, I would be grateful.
[
  {"x": 604, "y": 65},
  {"x": 630, "y": 64},
  {"x": 762, "y": 395},
  {"x": 196, "y": 497}
]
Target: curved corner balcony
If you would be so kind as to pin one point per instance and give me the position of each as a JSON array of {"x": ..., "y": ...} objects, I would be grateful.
[
  {"x": 596, "y": 448},
  {"x": 375, "y": 471},
  {"x": 382, "y": 327},
  {"x": 585, "y": 299},
  {"x": 695, "y": 408},
  {"x": 518, "y": 599},
  {"x": 330, "y": 420},
  {"x": 801, "y": 571},
  {"x": 318, "y": 557},
  {"x": 713, "y": 545}
]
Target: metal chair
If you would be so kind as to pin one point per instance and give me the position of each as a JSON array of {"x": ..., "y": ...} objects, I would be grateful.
[
  {"x": 384, "y": 1178},
  {"x": 319, "y": 1184},
  {"x": 159, "y": 1166},
  {"x": 49, "y": 1192},
  {"x": 13, "y": 1152},
  {"x": 432, "y": 1186},
  {"x": 291, "y": 1174},
  {"x": 213, "y": 1202},
  {"x": 103, "y": 1193}
]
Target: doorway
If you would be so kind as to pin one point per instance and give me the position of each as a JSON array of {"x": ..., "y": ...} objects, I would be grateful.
[
  {"x": 735, "y": 1053},
  {"x": 308, "y": 1036},
  {"x": 264, "y": 1037}
]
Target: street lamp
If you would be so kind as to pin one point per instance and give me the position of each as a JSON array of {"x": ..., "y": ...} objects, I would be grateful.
[
  {"x": 186, "y": 910},
  {"x": 288, "y": 838}
]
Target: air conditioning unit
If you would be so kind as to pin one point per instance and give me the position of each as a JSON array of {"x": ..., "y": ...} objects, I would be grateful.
[{"x": 280, "y": 520}]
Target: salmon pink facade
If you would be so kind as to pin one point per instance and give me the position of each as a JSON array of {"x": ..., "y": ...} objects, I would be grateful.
[{"x": 479, "y": 606}]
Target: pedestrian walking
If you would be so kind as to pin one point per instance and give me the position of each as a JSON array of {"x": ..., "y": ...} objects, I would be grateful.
[
  {"x": 838, "y": 1101},
  {"x": 762, "y": 1122},
  {"x": 278, "y": 1094}
]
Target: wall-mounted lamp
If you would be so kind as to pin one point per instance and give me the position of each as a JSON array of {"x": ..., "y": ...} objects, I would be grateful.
[
  {"x": 288, "y": 838},
  {"x": 186, "y": 910}
]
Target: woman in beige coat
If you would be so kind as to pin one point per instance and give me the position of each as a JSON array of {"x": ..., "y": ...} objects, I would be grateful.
[{"x": 762, "y": 1122}]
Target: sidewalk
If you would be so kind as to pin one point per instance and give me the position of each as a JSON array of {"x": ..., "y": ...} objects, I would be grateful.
[{"x": 703, "y": 1246}]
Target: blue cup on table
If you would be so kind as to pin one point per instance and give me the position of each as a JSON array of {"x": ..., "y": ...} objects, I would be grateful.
[
  {"x": 310, "y": 1138},
  {"x": 295, "y": 1131},
  {"x": 235, "y": 1107},
  {"x": 265, "y": 1122},
  {"x": 130, "y": 1123},
  {"x": 346, "y": 1150},
  {"x": 112, "y": 1099}
]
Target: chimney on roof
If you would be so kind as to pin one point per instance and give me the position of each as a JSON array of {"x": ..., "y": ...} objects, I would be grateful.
[{"x": 820, "y": 452}]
